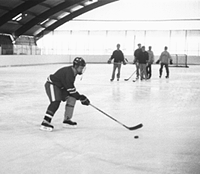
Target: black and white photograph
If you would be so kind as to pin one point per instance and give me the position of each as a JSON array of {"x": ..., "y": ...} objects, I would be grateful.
[{"x": 100, "y": 86}]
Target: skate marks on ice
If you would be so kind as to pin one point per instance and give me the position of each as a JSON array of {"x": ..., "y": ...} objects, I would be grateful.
[{"x": 168, "y": 108}]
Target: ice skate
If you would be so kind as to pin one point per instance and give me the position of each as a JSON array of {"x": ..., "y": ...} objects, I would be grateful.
[
  {"x": 46, "y": 126},
  {"x": 69, "y": 123}
]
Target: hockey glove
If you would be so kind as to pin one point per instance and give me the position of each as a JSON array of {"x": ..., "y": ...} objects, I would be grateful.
[
  {"x": 109, "y": 61},
  {"x": 125, "y": 61},
  {"x": 84, "y": 100},
  {"x": 171, "y": 62}
]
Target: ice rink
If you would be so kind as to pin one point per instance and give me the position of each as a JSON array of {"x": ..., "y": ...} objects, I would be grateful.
[{"x": 169, "y": 142}]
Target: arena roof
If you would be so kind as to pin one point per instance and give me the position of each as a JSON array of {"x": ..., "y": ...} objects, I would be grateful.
[{"x": 39, "y": 17}]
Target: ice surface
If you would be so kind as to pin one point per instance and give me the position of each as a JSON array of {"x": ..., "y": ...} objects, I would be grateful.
[{"x": 168, "y": 108}]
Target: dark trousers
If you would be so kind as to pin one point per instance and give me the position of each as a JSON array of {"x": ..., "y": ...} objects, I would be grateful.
[
  {"x": 56, "y": 95},
  {"x": 137, "y": 69},
  {"x": 166, "y": 67},
  {"x": 148, "y": 69},
  {"x": 116, "y": 66}
]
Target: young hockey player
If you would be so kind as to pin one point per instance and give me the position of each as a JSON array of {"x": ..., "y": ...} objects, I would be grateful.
[{"x": 60, "y": 87}]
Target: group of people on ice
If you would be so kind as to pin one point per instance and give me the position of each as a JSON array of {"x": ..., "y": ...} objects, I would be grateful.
[{"x": 143, "y": 61}]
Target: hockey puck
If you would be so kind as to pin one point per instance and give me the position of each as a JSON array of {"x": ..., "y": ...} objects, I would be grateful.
[{"x": 136, "y": 136}]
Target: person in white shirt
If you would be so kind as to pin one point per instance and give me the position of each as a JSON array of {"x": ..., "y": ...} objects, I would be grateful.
[
  {"x": 164, "y": 59},
  {"x": 150, "y": 62}
]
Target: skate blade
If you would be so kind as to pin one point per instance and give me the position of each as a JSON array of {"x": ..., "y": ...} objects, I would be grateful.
[
  {"x": 69, "y": 126},
  {"x": 49, "y": 129}
]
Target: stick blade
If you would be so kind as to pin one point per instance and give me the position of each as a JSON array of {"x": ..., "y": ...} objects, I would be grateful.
[
  {"x": 126, "y": 79},
  {"x": 136, "y": 127}
]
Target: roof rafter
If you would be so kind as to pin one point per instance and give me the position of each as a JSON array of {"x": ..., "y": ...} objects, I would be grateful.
[
  {"x": 38, "y": 17},
  {"x": 17, "y": 10},
  {"x": 45, "y": 16},
  {"x": 73, "y": 15}
]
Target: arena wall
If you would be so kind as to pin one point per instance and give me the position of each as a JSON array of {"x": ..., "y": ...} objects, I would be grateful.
[{"x": 26, "y": 60}]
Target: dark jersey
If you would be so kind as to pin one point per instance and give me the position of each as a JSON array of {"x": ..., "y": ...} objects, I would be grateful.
[
  {"x": 64, "y": 79},
  {"x": 137, "y": 52},
  {"x": 143, "y": 57},
  {"x": 118, "y": 56}
]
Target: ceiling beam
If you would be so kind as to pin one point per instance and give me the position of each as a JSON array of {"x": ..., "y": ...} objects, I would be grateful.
[
  {"x": 42, "y": 17},
  {"x": 17, "y": 10},
  {"x": 73, "y": 15}
]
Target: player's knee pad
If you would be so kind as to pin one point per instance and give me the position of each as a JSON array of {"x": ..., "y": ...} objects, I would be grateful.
[{"x": 71, "y": 101}]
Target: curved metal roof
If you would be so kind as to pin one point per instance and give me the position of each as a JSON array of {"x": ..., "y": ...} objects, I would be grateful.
[{"x": 39, "y": 17}]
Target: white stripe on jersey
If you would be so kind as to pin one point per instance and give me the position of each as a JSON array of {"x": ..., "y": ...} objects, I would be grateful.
[
  {"x": 52, "y": 92},
  {"x": 50, "y": 116},
  {"x": 49, "y": 80},
  {"x": 72, "y": 90}
]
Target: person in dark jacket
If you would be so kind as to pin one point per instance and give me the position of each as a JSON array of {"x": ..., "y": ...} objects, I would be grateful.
[
  {"x": 60, "y": 87},
  {"x": 142, "y": 59},
  {"x": 118, "y": 57},
  {"x": 136, "y": 53}
]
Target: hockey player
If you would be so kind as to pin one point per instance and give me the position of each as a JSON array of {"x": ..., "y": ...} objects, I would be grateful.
[
  {"x": 150, "y": 62},
  {"x": 164, "y": 60},
  {"x": 135, "y": 61},
  {"x": 118, "y": 57},
  {"x": 60, "y": 87},
  {"x": 142, "y": 59}
]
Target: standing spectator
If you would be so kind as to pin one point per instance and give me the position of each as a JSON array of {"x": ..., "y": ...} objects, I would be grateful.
[
  {"x": 136, "y": 53},
  {"x": 118, "y": 57},
  {"x": 142, "y": 59},
  {"x": 165, "y": 59},
  {"x": 150, "y": 62}
]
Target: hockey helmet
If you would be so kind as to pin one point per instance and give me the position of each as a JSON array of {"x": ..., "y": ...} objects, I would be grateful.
[{"x": 79, "y": 61}]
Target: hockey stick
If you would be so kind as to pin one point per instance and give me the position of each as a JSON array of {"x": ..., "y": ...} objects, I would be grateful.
[
  {"x": 130, "y": 76},
  {"x": 129, "y": 128}
]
